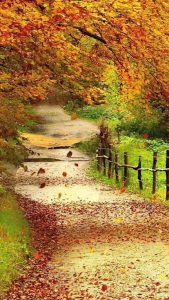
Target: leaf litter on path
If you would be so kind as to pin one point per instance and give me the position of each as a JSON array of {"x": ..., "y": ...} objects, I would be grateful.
[{"x": 91, "y": 242}]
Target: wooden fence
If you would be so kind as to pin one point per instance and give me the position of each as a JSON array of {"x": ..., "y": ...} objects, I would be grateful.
[{"x": 108, "y": 163}]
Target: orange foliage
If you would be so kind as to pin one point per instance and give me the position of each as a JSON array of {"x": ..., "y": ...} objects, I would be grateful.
[{"x": 43, "y": 43}]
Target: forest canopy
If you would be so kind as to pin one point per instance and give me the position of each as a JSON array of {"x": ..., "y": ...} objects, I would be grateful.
[{"x": 72, "y": 45}]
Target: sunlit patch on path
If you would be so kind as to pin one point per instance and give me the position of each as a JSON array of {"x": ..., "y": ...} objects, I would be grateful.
[{"x": 39, "y": 140}]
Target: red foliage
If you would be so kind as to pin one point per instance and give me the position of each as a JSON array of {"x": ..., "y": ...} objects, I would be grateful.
[{"x": 145, "y": 136}]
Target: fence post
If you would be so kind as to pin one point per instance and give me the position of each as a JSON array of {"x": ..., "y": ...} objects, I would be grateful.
[
  {"x": 101, "y": 156},
  {"x": 125, "y": 168},
  {"x": 104, "y": 159},
  {"x": 116, "y": 167},
  {"x": 140, "y": 182},
  {"x": 154, "y": 172},
  {"x": 98, "y": 158},
  {"x": 167, "y": 175},
  {"x": 110, "y": 162}
]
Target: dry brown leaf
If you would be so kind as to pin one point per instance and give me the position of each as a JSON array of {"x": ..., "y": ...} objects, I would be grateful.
[
  {"x": 74, "y": 116},
  {"x": 69, "y": 154},
  {"x": 41, "y": 171},
  {"x": 42, "y": 185}
]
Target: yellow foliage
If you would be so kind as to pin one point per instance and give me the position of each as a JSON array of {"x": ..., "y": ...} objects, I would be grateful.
[{"x": 42, "y": 43}]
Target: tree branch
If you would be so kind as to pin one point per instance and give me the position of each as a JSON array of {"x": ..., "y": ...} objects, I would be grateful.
[{"x": 90, "y": 34}]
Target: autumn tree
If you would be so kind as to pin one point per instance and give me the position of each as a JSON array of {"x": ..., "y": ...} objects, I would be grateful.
[
  {"x": 36, "y": 53},
  {"x": 134, "y": 34},
  {"x": 70, "y": 43}
]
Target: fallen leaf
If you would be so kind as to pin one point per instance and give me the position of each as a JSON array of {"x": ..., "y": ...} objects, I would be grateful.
[
  {"x": 92, "y": 250},
  {"x": 123, "y": 270},
  {"x": 104, "y": 287},
  {"x": 163, "y": 276},
  {"x": 42, "y": 185},
  {"x": 123, "y": 189},
  {"x": 118, "y": 220},
  {"x": 41, "y": 171},
  {"x": 64, "y": 174},
  {"x": 59, "y": 195},
  {"x": 37, "y": 255},
  {"x": 76, "y": 164},
  {"x": 69, "y": 154}
]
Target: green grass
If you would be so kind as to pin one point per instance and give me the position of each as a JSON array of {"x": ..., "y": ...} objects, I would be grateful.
[
  {"x": 91, "y": 113},
  {"x": 14, "y": 240},
  {"x": 135, "y": 147},
  {"x": 89, "y": 147},
  {"x": 27, "y": 127}
]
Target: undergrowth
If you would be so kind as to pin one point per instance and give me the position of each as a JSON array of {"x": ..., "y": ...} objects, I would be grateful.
[
  {"x": 92, "y": 113},
  {"x": 11, "y": 148}
]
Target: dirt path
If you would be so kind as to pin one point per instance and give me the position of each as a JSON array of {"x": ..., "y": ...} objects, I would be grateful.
[{"x": 92, "y": 242}]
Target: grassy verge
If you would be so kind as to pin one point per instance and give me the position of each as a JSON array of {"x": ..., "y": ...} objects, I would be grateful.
[
  {"x": 14, "y": 240},
  {"x": 15, "y": 244},
  {"x": 135, "y": 147}
]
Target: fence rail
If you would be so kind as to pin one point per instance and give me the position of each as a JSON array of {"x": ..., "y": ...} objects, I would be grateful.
[{"x": 108, "y": 163}]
